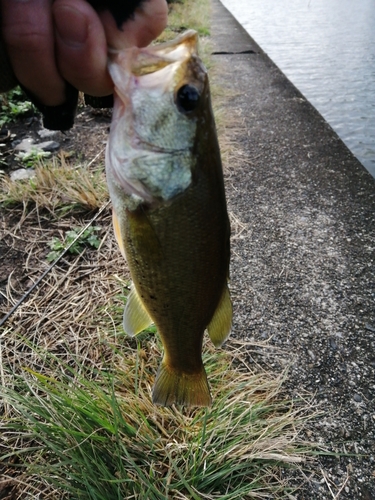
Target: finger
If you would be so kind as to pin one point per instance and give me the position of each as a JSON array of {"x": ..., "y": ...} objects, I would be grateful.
[
  {"x": 81, "y": 47},
  {"x": 148, "y": 22},
  {"x": 27, "y": 31}
]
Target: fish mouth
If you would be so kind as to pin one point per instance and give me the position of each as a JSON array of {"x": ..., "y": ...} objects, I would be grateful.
[
  {"x": 149, "y": 157},
  {"x": 149, "y": 60},
  {"x": 159, "y": 66}
]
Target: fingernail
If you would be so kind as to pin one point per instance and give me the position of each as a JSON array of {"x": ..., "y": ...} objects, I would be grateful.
[{"x": 71, "y": 26}]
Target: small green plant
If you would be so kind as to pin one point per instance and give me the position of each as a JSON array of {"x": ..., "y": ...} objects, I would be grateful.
[
  {"x": 30, "y": 158},
  {"x": 88, "y": 238},
  {"x": 14, "y": 104}
]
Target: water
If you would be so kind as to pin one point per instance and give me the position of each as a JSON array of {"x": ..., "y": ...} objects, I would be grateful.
[{"x": 327, "y": 49}]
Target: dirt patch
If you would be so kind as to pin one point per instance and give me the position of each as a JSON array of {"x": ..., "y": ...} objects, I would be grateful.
[{"x": 84, "y": 143}]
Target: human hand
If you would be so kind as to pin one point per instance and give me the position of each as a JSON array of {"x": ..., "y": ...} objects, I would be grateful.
[{"x": 50, "y": 43}]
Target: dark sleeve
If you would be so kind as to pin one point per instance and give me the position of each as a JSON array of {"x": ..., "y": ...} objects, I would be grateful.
[
  {"x": 62, "y": 117},
  {"x": 54, "y": 117},
  {"x": 7, "y": 78}
]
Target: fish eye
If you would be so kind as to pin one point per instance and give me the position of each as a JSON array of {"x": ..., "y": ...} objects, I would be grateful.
[{"x": 187, "y": 98}]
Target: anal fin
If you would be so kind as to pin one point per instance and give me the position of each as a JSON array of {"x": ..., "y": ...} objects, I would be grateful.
[
  {"x": 221, "y": 323},
  {"x": 135, "y": 318}
]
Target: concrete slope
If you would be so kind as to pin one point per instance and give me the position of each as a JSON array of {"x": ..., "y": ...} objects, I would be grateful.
[{"x": 303, "y": 273}]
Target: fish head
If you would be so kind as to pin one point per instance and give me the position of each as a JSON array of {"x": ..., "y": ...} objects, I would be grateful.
[{"x": 161, "y": 94}]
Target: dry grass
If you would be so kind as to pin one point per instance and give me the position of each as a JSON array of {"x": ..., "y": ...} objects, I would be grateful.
[
  {"x": 58, "y": 184},
  {"x": 187, "y": 14},
  {"x": 75, "y": 390},
  {"x": 74, "y": 386},
  {"x": 63, "y": 356}
]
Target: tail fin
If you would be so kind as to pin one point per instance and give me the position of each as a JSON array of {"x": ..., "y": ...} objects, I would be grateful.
[{"x": 181, "y": 388}]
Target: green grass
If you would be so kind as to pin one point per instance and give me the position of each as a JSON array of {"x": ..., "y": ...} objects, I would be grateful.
[{"x": 94, "y": 434}]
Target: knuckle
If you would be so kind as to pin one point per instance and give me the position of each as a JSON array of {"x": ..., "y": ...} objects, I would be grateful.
[{"x": 25, "y": 38}]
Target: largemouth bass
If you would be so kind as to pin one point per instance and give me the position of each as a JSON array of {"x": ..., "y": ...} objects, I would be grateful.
[{"x": 169, "y": 210}]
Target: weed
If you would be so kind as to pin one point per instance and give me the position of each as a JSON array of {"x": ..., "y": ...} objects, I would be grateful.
[
  {"x": 30, "y": 158},
  {"x": 74, "y": 245},
  {"x": 14, "y": 104}
]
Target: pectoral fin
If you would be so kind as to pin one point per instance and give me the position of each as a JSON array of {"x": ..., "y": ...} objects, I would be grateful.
[
  {"x": 117, "y": 231},
  {"x": 136, "y": 318},
  {"x": 221, "y": 322}
]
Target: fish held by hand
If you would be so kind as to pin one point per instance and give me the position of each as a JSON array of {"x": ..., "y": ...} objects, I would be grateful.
[{"x": 165, "y": 179}]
